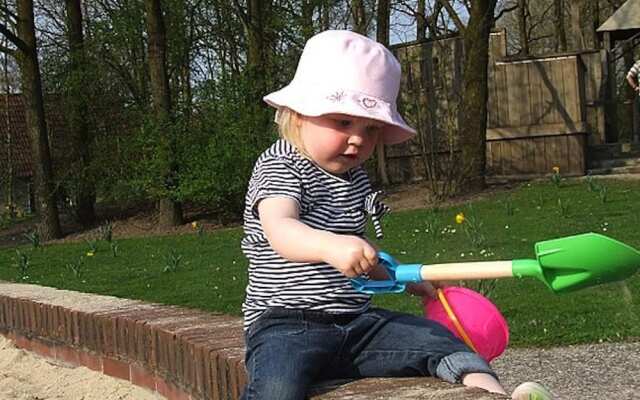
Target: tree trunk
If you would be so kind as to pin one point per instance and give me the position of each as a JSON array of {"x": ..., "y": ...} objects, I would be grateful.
[
  {"x": 382, "y": 35},
  {"x": 77, "y": 112},
  {"x": 49, "y": 225},
  {"x": 473, "y": 116},
  {"x": 594, "y": 15},
  {"x": 308, "y": 8},
  {"x": 170, "y": 211},
  {"x": 258, "y": 67},
  {"x": 359, "y": 15},
  {"x": 576, "y": 24},
  {"x": 325, "y": 18},
  {"x": 421, "y": 20},
  {"x": 522, "y": 27},
  {"x": 561, "y": 34}
]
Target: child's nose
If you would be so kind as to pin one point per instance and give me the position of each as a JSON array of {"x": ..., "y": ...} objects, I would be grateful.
[{"x": 357, "y": 136}]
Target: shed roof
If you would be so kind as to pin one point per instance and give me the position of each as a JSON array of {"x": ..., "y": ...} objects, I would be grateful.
[
  {"x": 626, "y": 17},
  {"x": 13, "y": 129}
]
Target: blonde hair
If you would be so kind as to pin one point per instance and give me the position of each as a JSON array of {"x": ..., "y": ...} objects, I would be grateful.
[{"x": 289, "y": 122}]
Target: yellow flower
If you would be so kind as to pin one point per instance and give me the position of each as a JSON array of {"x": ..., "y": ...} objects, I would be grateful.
[
  {"x": 556, "y": 169},
  {"x": 90, "y": 254},
  {"x": 194, "y": 224},
  {"x": 459, "y": 218}
]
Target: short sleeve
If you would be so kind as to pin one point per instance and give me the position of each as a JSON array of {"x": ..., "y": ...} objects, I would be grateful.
[
  {"x": 635, "y": 69},
  {"x": 274, "y": 177}
]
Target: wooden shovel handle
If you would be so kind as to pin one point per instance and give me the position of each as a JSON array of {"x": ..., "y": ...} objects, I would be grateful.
[{"x": 470, "y": 270}]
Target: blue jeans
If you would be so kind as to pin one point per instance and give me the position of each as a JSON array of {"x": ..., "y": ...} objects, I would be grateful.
[{"x": 289, "y": 350}]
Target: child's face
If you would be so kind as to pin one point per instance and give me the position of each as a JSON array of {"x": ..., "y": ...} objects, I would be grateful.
[{"x": 339, "y": 142}]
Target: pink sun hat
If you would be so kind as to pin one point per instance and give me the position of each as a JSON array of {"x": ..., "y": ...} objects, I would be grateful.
[
  {"x": 472, "y": 318},
  {"x": 342, "y": 72}
]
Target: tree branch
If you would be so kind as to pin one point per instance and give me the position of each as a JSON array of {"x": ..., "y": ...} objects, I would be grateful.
[
  {"x": 506, "y": 10},
  {"x": 7, "y": 50},
  {"x": 19, "y": 43},
  {"x": 452, "y": 13},
  {"x": 9, "y": 13}
]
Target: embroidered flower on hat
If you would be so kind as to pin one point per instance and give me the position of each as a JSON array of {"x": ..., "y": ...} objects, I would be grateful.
[
  {"x": 337, "y": 96},
  {"x": 368, "y": 102}
]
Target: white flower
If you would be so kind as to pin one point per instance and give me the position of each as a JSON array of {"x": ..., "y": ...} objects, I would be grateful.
[{"x": 506, "y": 227}]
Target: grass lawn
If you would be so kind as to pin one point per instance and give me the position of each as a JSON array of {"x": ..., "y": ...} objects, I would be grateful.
[{"x": 211, "y": 271}]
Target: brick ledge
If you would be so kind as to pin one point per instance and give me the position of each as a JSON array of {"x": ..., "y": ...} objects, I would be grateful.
[{"x": 180, "y": 353}]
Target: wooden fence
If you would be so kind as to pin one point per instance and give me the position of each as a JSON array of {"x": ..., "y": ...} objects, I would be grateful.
[{"x": 542, "y": 112}]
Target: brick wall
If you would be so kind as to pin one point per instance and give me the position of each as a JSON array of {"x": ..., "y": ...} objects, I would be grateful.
[{"x": 179, "y": 353}]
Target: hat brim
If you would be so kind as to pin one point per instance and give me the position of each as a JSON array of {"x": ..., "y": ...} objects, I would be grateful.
[{"x": 318, "y": 101}]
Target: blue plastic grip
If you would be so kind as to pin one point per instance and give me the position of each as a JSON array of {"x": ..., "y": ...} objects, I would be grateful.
[
  {"x": 391, "y": 285},
  {"x": 408, "y": 273}
]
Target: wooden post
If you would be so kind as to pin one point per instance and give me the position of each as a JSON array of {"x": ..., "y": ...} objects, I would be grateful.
[
  {"x": 635, "y": 135},
  {"x": 610, "y": 92}
]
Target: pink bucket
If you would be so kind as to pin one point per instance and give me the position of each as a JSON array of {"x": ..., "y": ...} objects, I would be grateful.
[{"x": 472, "y": 318}]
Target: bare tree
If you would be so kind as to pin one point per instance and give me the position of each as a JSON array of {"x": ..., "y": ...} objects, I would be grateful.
[
  {"x": 382, "y": 35},
  {"x": 359, "y": 15},
  {"x": 170, "y": 210},
  {"x": 27, "y": 56},
  {"x": 576, "y": 24},
  {"x": 259, "y": 47},
  {"x": 560, "y": 32},
  {"x": 523, "y": 29},
  {"x": 472, "y": 124},
  {"x": 77, "y": 113}
]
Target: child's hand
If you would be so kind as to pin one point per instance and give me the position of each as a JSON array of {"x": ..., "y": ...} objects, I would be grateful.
[{"x": 351, "y": 255}]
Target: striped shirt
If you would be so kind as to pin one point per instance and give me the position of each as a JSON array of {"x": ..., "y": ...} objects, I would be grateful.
[
  {"x": 325, "y": 202},
  {"x": 634, "y": 72}
]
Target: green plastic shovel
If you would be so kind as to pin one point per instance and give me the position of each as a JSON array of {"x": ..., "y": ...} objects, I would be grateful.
[{"x": 563, "y": 264}]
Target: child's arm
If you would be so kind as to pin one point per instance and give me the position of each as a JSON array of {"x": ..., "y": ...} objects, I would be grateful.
[{"x": 296, "y": 241}]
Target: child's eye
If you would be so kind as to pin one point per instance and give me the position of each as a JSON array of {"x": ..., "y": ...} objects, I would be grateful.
[{"x": 343, "y": 123}]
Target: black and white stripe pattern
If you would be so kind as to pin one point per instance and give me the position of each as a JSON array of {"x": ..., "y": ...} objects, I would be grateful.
[
  {"x": 336, "y": 204},
  {"x": 634, "y": 72},
  {"x": 376, "y": 209}
]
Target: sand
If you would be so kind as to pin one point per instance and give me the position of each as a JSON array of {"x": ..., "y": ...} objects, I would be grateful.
[{"x": 25, "y": 376}]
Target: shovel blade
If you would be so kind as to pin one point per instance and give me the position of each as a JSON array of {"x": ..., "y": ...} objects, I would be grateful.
[{"x": 580, "y": 261}]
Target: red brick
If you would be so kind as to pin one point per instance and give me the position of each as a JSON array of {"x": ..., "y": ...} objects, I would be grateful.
[
  {"x": 142, "y": 377},
  {"x": 47, "y": 320},
  {"x": 68, "y": 355},
  {"x": 233, "y": 374},
  {"x": 22, "y": 342},
  {"x": 3, "y": 313},
  {"x": 166, "y": 352},
  {"x": 42, "y": 313},
  {"x": 116, "y": 368},
  {"x": 86, "y": 332},
  {"x": 18, "y": 308},
  {"x": 44, "y": 348},
  {"x": 170, "y": 391},
  {"x": 75, "y": 327},
  {"x": 90, "y": 361},
  {"x": 105, "y": 323},
  {"x": 10, "y": 309}
]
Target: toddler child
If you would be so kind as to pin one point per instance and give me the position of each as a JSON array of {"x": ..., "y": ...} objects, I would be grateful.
[{"x": 306, "y": 209}]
